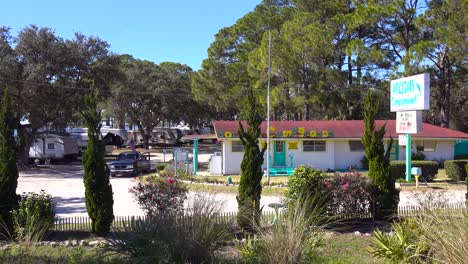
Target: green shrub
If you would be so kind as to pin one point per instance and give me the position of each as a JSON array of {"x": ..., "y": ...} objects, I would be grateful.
[
  {"x": 33, "y": 217},
  {"x": 429, "y": 169},
  {"x": 461, "y": 157},
  {"x": 159, "y": 196},
  {"x": 296, "y": 237},
  {"x": 418, "y": 156},
  {"x": 404, "y": 245},
  {"x": 193, "y": 238},
  {"x": 305, "y": 179},
  {"x": 161, "y": 167},
  {"x": 348, "y": 194},
  {"x": 365, "y": 162},
  {"x": 455, "y": 169}
]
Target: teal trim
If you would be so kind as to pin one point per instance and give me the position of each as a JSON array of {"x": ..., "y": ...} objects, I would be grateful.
[
  {"x": 408, "y": 157},
  {"x": 279, "y": 154},
  {"x": 195, "y": 156}
]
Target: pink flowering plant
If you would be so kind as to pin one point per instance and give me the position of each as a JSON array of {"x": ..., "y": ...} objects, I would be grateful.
[
  {"x": 347, "y": 193},
  {"x": 160, "y": 196}
]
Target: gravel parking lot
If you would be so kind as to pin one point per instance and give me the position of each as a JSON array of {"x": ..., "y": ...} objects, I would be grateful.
[{"x": 65, "y": 183}]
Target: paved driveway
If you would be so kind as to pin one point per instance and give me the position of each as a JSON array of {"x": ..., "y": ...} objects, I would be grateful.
[{"x": 65, "y": 184}]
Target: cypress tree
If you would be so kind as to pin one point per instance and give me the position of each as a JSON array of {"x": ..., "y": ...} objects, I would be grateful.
[
  {"x": 98, "y": 190},
  {"x": 386, "y": 196},
  {"x": 8, "y": 156},
  {"x": 466, "y": 180},
  {"x": 250, "y": 187}
]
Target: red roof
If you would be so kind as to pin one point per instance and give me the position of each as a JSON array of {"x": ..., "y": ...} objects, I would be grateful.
[{"x": 334, "y": 129}]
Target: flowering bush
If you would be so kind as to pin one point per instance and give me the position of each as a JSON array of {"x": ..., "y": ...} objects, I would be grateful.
[
  {"x": 159, "y": 196},
  {"x": 347, "y": 193},
  {"x": 33, "y": 217}
]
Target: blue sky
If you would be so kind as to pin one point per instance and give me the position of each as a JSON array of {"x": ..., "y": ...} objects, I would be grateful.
[{"x": 178, "y": 31}]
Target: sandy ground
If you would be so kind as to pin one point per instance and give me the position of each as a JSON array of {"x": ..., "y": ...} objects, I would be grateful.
[{"x": 65, "y": 184}]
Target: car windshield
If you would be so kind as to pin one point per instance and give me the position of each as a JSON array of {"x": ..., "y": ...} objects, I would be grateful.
[{"x": 127, "y": 156}]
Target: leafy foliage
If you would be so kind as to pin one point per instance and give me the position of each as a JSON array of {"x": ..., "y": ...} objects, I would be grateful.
[
  {"x": 34, "y": 217},
  {"x": 348, "y": 193},
  {"x": 403, "y": 245},
  {"x": 386, "y": 196},
  {"x": 297, "y": 236},
  {"x": 455, "y": 169},
  {"x": 305, "y": 180},
  {"x": 429, "y": 169},
  {"x": 250, "y": 185},
  {"x": 159, "y": 196},
  {"x": 418, "y": 156},
  {"x": 98, "y": 190},
  {"x": 8, "y": 157},
  {"x": 168, "y": 239}
]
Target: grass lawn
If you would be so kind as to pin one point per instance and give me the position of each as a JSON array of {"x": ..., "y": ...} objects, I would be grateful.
[
  {"x": 57, "y": 255},
  {"x": 345, "y": 248},
  {"x": 339, "y": 248},
  {"x": 200, "y": 187}
]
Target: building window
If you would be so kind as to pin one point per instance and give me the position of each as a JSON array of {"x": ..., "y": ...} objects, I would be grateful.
[
  {"x": 51, "y": 146},
  {"x": 315, "y": 145},
  {"x": 425, "y": 145},
  {"x": 279, "y": 146},
  {"x": 237, "y": 146},
  {"x": 356, "y": 146}
]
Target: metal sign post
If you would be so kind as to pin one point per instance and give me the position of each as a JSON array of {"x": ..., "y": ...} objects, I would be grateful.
[
  {"x": 195, "y": 156},
  {"x": 407, "y": 96}
]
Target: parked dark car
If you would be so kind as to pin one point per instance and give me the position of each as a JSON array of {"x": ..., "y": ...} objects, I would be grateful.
[{"x": 129, "y": 163}]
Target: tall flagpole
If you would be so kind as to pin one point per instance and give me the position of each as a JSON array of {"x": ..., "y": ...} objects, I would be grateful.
[{"x": 268, "y": 111}]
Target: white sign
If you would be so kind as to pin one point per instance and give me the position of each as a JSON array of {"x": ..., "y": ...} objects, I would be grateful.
[
  {"x": 402, "y": 140},
  {"x": 181, "y": 156},
  {"x": 409, "y": 122},
  {"x": 410, "y": 93}
]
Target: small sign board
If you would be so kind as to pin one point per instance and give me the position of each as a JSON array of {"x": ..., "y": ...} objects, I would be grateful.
[
  {"x": 409, "y": 122},
  {"x": 181, "y": 156},
  {"x": 410, "y": 93},
  {"x": 402, "y": 140}
]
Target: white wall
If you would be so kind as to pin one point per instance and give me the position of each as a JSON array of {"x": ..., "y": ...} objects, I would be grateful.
[
  {"x": 231, "y": 160},
  {"x": 344, "y": 157},
  {"x": 321, "y": 160},
  {"x": 444, "y": 151}
]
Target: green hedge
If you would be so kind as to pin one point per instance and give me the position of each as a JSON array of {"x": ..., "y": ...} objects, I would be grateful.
[
  {"x": 429, "y": 169},
  {"x": 455, "y": 169}
]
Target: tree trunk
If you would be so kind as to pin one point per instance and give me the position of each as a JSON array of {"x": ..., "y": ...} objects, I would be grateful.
[
  {"x": 144, "y": 136},
  {"x": 445, "y": 92}
]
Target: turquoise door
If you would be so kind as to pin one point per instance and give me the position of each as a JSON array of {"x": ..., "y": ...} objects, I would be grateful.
[{"x": 279, "y": 157}]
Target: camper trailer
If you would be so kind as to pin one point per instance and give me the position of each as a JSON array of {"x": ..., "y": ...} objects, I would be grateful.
[
  {"x": 112, "y": 137},
  {"x": 53, "y": 147},
  {"x": 159, "y": 137}
]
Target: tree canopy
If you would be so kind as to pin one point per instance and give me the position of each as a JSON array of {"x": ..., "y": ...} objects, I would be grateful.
[{"x": 326, "y": 55}]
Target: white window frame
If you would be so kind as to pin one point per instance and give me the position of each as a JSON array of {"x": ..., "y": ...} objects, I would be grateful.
[
  {"x": 425, "y": 145},
  {"x": 356, "y": 150},
  {"x": 49, "y": 146},
  {"x": 314, "y": 146},
  {"x": 236, "y": 146}
]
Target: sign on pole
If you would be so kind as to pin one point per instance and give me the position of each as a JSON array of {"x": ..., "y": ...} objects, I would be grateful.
[
  {"x": 410, "y": 93},
  {"x": 402, "y": 140},
  {"x": 409, "y": 122},
  {"x": 407, "y": 96}
]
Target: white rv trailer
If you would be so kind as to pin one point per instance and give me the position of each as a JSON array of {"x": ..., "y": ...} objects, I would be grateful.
[
  {"x": 53, "y": 147},
  {"x": 81, "y": 135}
]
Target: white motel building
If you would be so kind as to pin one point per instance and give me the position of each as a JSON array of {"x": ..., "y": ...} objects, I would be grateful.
[{"x": 328, "y": 145}]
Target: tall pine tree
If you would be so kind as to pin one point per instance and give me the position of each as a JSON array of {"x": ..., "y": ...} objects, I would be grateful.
[
  {"x": 250, "y": 186},
  {"x": 8, "y": 169},
  {"x": 386, "y": 196},
  {"x": 98, "y": 190}
]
